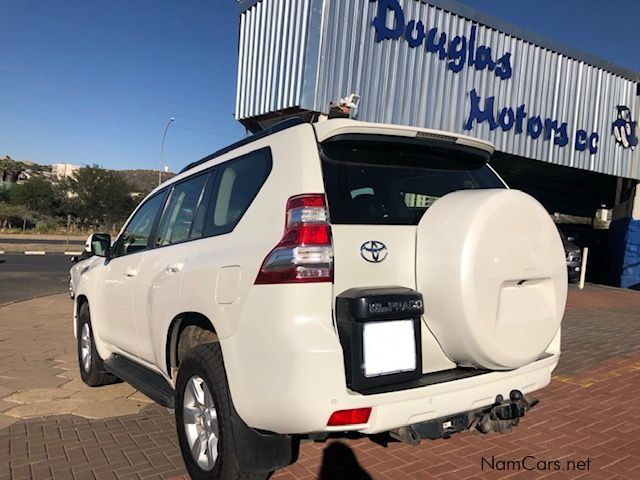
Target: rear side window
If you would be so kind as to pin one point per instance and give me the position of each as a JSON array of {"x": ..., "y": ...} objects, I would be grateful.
[
  {"x": 239, "y": 181},
  {"x": 387, "y": 181},
  {"x": 183, "y": 217}
]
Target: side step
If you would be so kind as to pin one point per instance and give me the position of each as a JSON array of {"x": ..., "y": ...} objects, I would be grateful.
[{"x": 152, "y": 384}]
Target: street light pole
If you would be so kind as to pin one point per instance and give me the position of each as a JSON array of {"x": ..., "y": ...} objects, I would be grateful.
[{"x": 162, "y": 149}]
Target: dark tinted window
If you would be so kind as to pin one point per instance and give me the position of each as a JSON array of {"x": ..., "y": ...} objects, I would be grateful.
[
  {"x": 391, "y": 182},
  {"x": 181, "y": 219},
  {"x": 238, "y": 184},
  {"x": 135, "y": 237}
]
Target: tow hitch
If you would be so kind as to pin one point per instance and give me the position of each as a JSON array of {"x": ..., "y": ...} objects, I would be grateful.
[
  {"x": 505, "y": 414},
  {"x": 500, "y": 417}
]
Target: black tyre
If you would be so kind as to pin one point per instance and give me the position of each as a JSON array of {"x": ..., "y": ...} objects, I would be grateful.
[
  {"x": 91, "y": 367},
  {"x": 203, "y": 417}
]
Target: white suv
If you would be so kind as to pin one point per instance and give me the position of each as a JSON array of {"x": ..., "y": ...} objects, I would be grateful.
[{"x": 325, "y": 278}]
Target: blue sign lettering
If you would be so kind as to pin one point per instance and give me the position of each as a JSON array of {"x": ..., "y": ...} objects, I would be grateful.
[
  {"x": 457, "y": 53},
  {"x": 581, "y": 140},
  {"x": 479, "y": 115},
  {"x": 624, "y": 129},
  {"x": 459, "y": 50},
  {"x": 535, "y": 125},
  {"x": 415, "y": 41},
  {"x": 594, "y": 138},
  {"x": 520, "y": 116},
  {"x": 551, "y": 127},
  {"x": 391, "y": 23},
  {"x": 433, "y": 47},
  {"x": 507, "y": 118}
]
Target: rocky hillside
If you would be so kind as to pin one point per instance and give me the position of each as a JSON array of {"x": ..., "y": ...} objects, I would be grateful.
[
  {"x": 12, "y": 170},
  {"x": 144, "y": 180}
]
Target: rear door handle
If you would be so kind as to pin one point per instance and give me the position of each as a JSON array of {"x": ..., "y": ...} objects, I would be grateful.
[
  {"x": 175, "y": 267},
  {"x": 130, "y": 272}
]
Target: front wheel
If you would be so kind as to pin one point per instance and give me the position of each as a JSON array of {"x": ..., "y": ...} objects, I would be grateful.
[
  {"x": 90, "y": 363},
  {"x": 203, "y": 417}
]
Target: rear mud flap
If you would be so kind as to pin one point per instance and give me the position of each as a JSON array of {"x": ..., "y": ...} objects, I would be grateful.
[{"x": 261, "y": 451}]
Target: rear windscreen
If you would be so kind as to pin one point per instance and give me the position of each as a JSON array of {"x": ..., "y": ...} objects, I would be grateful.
[{"x": 391, "y": 182}]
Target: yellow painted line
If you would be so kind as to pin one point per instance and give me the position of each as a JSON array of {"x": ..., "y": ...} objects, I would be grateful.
[
  {"x": 573, "y": 381},
  {"x": 589, "y": 381}
]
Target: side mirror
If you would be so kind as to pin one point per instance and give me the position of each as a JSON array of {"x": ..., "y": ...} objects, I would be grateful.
[
  {"x": 74, "y": 259},
  {"x": 100, "y": 244}
]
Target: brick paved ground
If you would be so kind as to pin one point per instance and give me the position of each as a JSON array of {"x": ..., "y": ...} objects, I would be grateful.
[
  {"x": 590, "y": 412},
  {"x": 38, "y": 367}
]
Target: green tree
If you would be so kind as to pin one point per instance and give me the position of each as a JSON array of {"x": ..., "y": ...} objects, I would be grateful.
[
  {"x": 37, "y": 194},
  {"x": 4, "y": 192},
  {"x": 10, "y": 169},
  {"x": 16, "y": 216},
  {"x": 98, "y": 197}
]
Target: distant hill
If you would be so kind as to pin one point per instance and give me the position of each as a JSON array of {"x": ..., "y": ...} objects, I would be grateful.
[
  {"x": 12, "y": 171},
  {"x": 144, "y": 180}
]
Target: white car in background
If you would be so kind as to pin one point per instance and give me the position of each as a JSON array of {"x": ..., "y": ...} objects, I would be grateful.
[{"x": 81, "y": 262}]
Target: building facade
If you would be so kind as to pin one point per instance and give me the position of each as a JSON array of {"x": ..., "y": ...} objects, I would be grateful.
[
  {"x": 564, "y": 122},
  {"x": 63, "y": 170}
]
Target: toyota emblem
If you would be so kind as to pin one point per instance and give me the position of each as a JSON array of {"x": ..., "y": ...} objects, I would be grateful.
[{"x": 373, "y": 252}]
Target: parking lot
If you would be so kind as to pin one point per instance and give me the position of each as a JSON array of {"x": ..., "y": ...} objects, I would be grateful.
[{"x": 52, "y": 426}]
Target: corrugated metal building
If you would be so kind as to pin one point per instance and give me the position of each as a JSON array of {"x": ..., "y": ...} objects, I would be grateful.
[{"x": 564, "y": 122}]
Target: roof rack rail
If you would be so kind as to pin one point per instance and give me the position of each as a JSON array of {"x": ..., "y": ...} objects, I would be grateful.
[{"x": 278, "y": 127}]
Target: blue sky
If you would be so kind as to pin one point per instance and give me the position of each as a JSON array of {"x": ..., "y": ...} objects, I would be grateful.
[{"x": 95, "y": 82}]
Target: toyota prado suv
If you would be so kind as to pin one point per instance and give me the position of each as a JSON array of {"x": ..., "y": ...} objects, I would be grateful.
[{"x": 325, "y": 278}]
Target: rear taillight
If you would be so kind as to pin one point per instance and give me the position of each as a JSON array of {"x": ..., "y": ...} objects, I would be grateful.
[{"x": 304, "y": 254}]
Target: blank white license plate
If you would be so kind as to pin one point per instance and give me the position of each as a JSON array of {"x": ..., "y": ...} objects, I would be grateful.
[{"x": 389, "y": 347}]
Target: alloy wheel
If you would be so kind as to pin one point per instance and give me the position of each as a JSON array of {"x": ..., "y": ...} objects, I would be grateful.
[
  {"x": 85, "y": 347},
  {"x": 200, "y": 420}
]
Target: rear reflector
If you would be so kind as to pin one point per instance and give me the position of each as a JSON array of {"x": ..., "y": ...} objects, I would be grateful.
[{"x": 354, "y": 416}]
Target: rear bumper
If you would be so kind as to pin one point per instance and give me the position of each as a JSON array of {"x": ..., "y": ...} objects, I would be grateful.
[
  {"x": 408, "y": 407},
  {"x": 286, "y": 373}
]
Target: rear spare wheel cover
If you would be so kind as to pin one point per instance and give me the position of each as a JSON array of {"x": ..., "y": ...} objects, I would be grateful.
[{"x": 491, "y": 268}]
